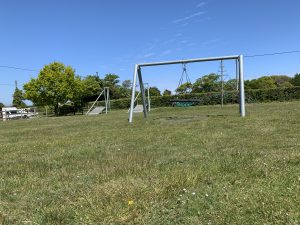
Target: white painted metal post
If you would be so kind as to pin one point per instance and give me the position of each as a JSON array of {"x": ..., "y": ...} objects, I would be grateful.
[
  {"x": 237, "y": 74},
  {"x": 149, "y": 103},
  {"x": 222, "y": 84},
  {"x": 105, "y": 99},
  {"x": 133, "y": 94},
  {"x": 108, "y": 98},
  {"x": 242, "y": 88},
  {"x": 142, "y": 89}
]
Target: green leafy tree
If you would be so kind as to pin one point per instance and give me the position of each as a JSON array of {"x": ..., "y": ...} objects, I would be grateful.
[
  {"x": 167, "y": 92},
  {"x": 248, "y": 84},
  {"x": 154, "y": 91},
  {"x": 112, "y": 81},
  {"x": 92, "y": 86},
  {"x": 230, "y": 85},
  {"x": 207, "y": 83},
  {"x": 1, "y": 105},
  {"x": 286, "y": 84},
  {"x": 124, "y": 91},
  {"x": 282, "y": 80},
  {"x": 55, "y": 84},
  {"x": 18, "y": 98},
  {"x": 126, "y": 84},
  {"x": 296, "y": 80},
  {"x": 264, "y": 82},
  {"x": 184, "y": 88}
]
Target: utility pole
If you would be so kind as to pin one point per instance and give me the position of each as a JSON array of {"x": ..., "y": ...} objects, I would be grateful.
[{"x": 222, "y": 82}]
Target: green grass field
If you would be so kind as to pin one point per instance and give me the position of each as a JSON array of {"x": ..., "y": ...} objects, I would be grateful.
[{"x": 199, "y": 165}]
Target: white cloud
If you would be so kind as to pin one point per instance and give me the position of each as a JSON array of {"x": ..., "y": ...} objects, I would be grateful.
[
  {"x": 167, "y": 52},
  {"x": 188, "y": 17},
  {"x": 201, "y": 4},
  {"x": 148, "y": 55}
]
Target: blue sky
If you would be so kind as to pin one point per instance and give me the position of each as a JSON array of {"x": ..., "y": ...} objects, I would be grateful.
[{"x": 110, "y": 36}]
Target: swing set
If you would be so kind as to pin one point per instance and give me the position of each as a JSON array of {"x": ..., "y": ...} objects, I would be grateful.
[
  {"x": 188, "y": 88},
  {"x": 95, "y": 109},
  {"x": 239, "y": 59}
]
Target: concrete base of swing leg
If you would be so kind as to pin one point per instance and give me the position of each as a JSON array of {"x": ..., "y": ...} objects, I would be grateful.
[
  {"x": 96, "y": 111},
  {"x": 138, "y": 109}
]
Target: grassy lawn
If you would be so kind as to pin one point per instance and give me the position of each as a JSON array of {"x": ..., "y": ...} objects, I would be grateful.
[{"x": 199, "y": 165}]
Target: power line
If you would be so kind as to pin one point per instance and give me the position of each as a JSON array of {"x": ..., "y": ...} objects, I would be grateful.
[
  {"x": 246, "y": 56},
  {"x": 270, "y": 54},
  {"x": 18, "y": 68},
  {"x": 6, "y": 84}
]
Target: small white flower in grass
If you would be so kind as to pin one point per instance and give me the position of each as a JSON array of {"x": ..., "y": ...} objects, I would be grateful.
[
  {"x": 119, "y": 149},
  {"x": 180, "y": 195},
  {"x": 184, "y": 190},
  {"x": 206, "y": 195},
  {"x": 193, "y": 193}
]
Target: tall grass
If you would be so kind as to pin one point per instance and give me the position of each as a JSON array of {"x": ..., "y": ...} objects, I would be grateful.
[{"x": 199, "y": 165}]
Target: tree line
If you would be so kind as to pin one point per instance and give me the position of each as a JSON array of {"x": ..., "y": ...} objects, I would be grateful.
[
  {"x": 57, "y": 84},
  {"x": 213, "y": 83}
]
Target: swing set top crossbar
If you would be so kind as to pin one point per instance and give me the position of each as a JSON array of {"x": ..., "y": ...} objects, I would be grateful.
[{"x": 189, "y": 61}]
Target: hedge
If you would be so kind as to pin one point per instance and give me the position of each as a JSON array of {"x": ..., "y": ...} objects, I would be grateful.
[{"x": 214, "y": 98}]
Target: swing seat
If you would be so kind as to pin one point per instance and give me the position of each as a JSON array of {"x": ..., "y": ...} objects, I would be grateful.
[{"x": 184, "y": 102}]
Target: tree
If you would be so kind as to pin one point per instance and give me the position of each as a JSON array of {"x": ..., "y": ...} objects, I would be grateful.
[
  {"x": 55, "y": 84},
  {"x": 124, "y": 91},
  {"x": 18, "y": 98},
  {"x": 207, "y": 83},
  {"x": 282, "y": 80},
  {"x": 112, "y": 80},
  {"x": 184, "y": 88},
  {"x": 230, "y": 85},
  {"x": 1, "y": 105},
  {"x": 264, "y": 82},
  {"x": 296, "y": 80},
  {"x": 92, "y": 86},
  {"x": 154, "y": 91},
  {"x": 167, "y": 92},
  {"x": 126, "y": 84}
]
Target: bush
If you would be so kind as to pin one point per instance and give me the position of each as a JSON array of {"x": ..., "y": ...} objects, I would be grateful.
[{"x": 214, "y": 98}]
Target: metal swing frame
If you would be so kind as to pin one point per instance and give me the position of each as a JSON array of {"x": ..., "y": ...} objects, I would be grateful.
[
  {"x": 148, "y": 96},
  {"x": 138, "y": 75},
  {"x": 104, "y": 92}
]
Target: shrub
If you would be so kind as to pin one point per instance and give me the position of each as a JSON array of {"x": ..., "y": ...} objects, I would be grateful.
[{"x": 214, "y": 98}]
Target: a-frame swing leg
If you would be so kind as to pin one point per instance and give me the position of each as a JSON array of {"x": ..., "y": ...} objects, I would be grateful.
[
  {"x": 241, "y": 86},
  {"x": 133, "y": 94},
  {"x": 105, "y": 100},
  {"x": 142, "y": 92}
]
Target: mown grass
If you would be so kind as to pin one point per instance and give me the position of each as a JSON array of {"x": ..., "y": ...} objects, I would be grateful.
[{"x": 199, "y": 165}]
